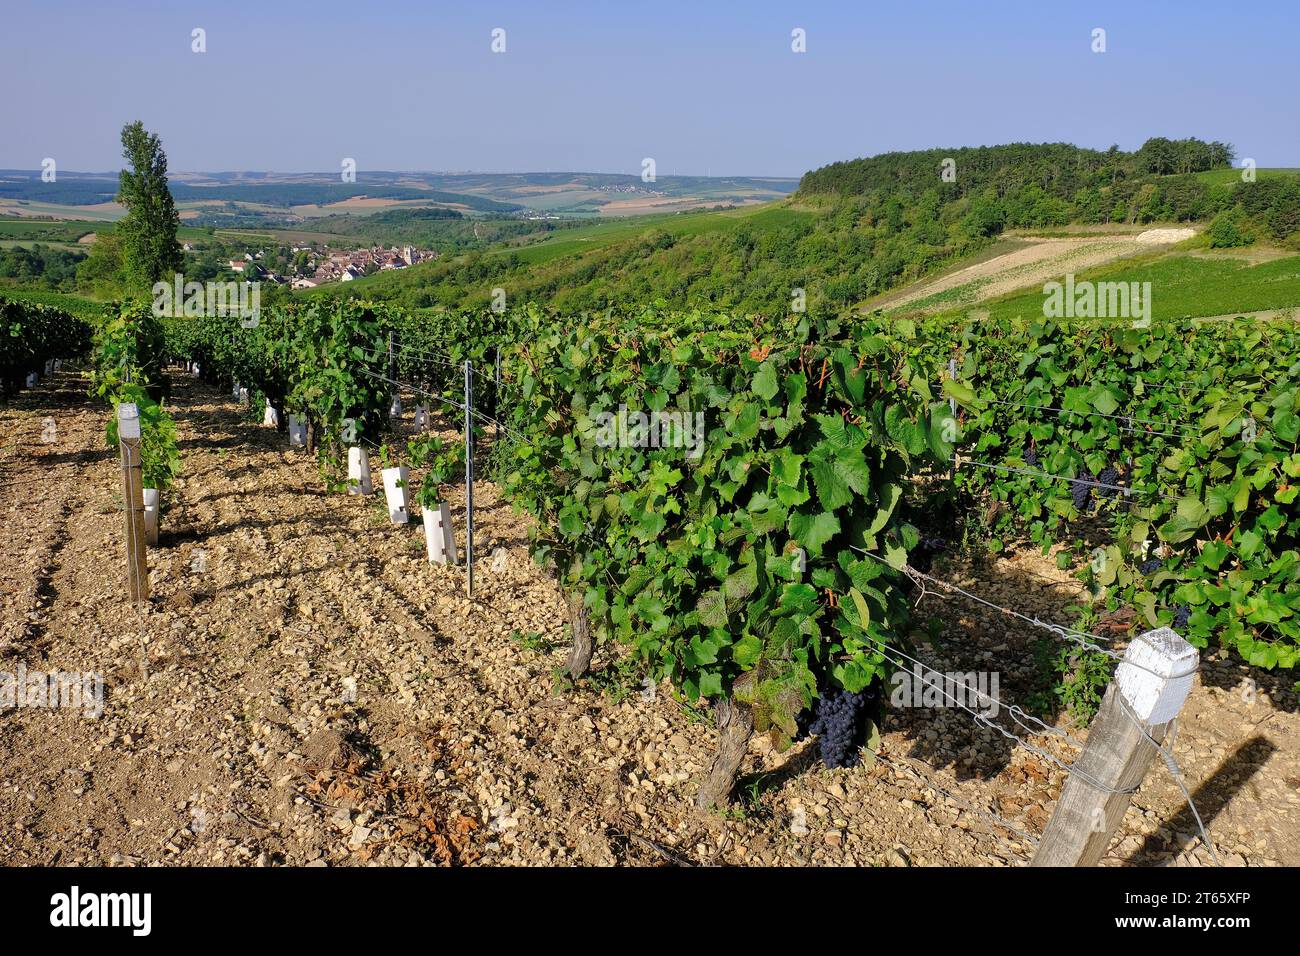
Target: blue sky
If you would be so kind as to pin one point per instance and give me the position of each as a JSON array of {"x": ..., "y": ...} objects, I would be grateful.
[{"x": 702, "y": 87}]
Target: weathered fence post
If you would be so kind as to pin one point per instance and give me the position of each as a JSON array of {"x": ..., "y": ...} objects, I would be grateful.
[
  {"x": 128, "y": 437},
  {"x": 496, "y": 392},
  {"x": 1149, "y": 689},
  {"x": 952, "y": 374},
  {"x": 952, "y": 408},
  {"x": 469, "y": 479}
]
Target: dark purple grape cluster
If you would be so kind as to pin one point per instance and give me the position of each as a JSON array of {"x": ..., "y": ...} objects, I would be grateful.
[
  {"x": 1082, "y": 494},
  {"x": 841, "y": 726},
  {"x": 804, "y": 720},
  {"x": 1182, "y": 614},
  {"x": 1109, "y": 476},
  {"x": 1151, "y": 566},
  {"x": 1031, "y": 456},
  {"x": 922, "y": 556}
]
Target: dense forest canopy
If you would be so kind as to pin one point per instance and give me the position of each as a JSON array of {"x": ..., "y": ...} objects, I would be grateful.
[
  {"x": 1036, "y": 184},
  {"x": 1059, "y": 169}
]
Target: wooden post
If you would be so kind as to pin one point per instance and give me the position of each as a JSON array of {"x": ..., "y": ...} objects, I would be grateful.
[
  {"x": 128, "y": 436},
  {"x": 496, "y": 392},
  {"x": 952, "y": 374},
  {"x": 952, "y": 407},
  {"x": 469, "y": 479},
  {"x": 1149, "y": 689}
]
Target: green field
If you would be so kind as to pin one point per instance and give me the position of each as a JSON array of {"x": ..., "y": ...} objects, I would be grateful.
[
  {"x": 78, "y": 305},
  {"x": 1184, "y": 286},
  {"x": 44, "y": 230},
  {"x": 70, "y": 231},
  {"x": 1225, "y": 177},
  {"x": 584, "y": 239}
]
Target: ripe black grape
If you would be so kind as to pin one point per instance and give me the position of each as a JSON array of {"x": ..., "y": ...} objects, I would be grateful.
[
  {"x": 1108, "y": 476},
  {"x": 803, "y": 720},
  {"x": 1031, "y": 457},
  {"x": 1082, "y": 494},
  {"x": 922, "y": 556},
  {"x": 841, "y": 726},
  {"x": 1151, "y": 566},
  {"x": 1181, "y": 615}
]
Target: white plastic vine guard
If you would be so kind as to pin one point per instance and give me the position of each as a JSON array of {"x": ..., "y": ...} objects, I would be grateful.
[
  {"x": 439, "y": 541},
  {"x": 32, "y": 379},
  {"x": 151, "y": 515},
  {"x": 1156, "y": 675},
  {"x": 297, "y": 432},
  {"x": 58, "y": 365},
  {"x": 243, "y": 396},
  {"x": 197, "y": 371},
  {"x": 359, "y": 472},
  {"x": 421, "y": 417},
  {"x": 234, "y": 391},
  {"x": 395, "y": 409},
  {"x": 271, "y": 417},
  {"x": 395, "y": 494},
  {"x": 49, "y": 366}
]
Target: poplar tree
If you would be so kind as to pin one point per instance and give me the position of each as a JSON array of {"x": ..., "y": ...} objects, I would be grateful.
[{"x": 151, "y": 251}]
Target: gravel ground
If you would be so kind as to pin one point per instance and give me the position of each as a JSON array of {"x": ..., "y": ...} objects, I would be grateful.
[{"x": 304, "y": 689}]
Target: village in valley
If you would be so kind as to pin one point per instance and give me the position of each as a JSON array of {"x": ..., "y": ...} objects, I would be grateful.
[{"x": 312, "y": 265}]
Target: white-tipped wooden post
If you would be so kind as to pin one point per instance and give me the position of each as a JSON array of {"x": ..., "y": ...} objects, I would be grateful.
[
  {"x": 128, "y": 438},
  {"x": 469, "y": 479},
  {"x": 1150, "y": 687}
]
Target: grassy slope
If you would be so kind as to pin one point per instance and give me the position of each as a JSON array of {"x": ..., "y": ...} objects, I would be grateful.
[
  {"x": 587, "y": 238},
  {"x": 1184, "y": 285},
  {"x": 70, "y": 230},
  {"x": 75, "y": 304},
  {"x": 1223, "y": 177},
  {"x": 580, "y": 240}
]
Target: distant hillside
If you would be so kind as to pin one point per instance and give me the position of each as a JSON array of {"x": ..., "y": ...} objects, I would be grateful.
[
  {"x": 855, "y": 230},
  {"x": 252, "y": 199},
  {"x": 1025, "y": 185}
]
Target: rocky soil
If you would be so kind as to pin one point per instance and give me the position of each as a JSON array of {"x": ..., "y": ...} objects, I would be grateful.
[{"x": 305, "y": 689}]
